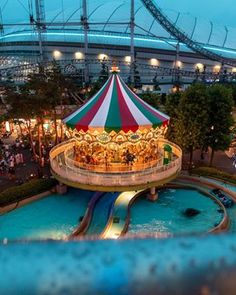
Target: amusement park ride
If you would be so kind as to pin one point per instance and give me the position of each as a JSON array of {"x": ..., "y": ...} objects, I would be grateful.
[{"x": 117, "y": 144}]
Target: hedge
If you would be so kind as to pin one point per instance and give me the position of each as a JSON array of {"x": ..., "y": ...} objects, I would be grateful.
[
  {"x": 26, "y": 190},
  {"x": 214, "y": 172}
]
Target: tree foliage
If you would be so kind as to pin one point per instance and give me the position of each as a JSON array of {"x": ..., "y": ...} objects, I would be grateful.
[
  {"x": 219, "y": 118},
  {"x": 201, "y": 117},
  {"x": 151, "y": 98}
]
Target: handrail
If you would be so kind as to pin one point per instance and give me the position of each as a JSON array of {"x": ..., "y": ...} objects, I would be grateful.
[
  {"x": 147, "y": 176},
  {"x": 67, "y": 169},
  {"x": 111, "y": 168}
]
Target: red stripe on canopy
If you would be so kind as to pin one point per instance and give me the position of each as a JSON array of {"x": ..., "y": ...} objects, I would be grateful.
[
  {"x": 127, "y": 119},
  {"x": 86, "y": 120},
  {"x": 157, "y": 115}
]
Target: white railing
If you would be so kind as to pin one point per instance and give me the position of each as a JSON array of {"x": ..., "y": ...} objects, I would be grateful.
[
  {"x": 111, "y": 168},
  {"x": 72, "y": 173}
]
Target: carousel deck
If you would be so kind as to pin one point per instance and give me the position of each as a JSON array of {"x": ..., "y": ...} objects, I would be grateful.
[{"x": 115, "y": 177}]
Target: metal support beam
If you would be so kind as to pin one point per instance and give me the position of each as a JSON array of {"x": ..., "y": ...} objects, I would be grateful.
[
  {"x": 132, "y": 53},
  {"x": 40, "y": 25},
  {"x": 177, "y": 54},
  {"x": 181, "y": 36},
  {"x": 84, "y": 20},
  {"x": 1, "y": 23},
  {"x": 211, "y": 31},
  {"x": 194, "y": 27},
  {"x": 226, "y": 36}
]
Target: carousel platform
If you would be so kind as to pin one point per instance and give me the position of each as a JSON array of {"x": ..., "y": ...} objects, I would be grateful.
[{"x": 118, "y": 177}]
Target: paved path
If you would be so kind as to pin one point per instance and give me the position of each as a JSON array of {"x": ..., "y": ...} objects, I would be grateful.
[
  {"x": 23, "y": 171},
  {"x": 221, "y": 161}
]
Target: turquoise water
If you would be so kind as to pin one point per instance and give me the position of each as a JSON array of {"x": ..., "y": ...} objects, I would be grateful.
[
  {"x": 231, "y": 211},
  {"x": 166, "y": 214},
  {"x": 55, "y": 216},
  {"x": 101, "y": 213}
]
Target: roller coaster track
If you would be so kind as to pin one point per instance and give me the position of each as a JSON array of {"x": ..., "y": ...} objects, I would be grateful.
[
  {"x": 181, "y": 36},
  {"x": 73, "y": 68},
  {"x": 24, "y": 70}
]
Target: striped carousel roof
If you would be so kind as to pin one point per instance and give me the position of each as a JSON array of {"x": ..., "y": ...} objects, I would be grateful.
[{"x": 114, "y": 108}]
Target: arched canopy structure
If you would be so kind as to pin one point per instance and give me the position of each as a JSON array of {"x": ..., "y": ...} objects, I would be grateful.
[{"x": 116, "y": 108}]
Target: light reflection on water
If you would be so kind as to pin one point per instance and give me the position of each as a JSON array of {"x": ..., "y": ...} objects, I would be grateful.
[{"x": 53, "y": 217}]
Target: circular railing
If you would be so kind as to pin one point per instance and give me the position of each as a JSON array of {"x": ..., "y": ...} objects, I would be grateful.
[
  {"x": 111, "y": 167},
  {"x": 69, "y": 171}
]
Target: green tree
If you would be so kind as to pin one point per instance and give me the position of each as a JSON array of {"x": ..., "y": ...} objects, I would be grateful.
[
  {"x": 220, "y": 120},
  {"x": 188, "y": 111},
  {"x": 22, "y": 107},
  {"x": 151, "y": 98},
  {"x": 172, "y": 110},
  {"x": 39, "y": 98}
]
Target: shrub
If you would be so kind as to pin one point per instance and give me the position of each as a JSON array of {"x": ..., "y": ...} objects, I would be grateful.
[
  {"x": 26, "y": 190},
  {"x": 214, "y": 172}
]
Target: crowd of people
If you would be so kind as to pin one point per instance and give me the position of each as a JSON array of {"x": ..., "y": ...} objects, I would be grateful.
[
  {"x": 16, "y": 153},
  {"x": 10, "y": 157}
]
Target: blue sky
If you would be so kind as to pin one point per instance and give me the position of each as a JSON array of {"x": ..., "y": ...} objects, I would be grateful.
[{"x": 217, "y": 11}]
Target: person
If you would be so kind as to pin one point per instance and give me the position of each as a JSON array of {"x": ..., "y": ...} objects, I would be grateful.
[
  {"x": 42, "y": 162},
  {"x": 21, "y": 158},
  {"x": 17, "y": 144},
  {"x": 11, "y": 172},
  {"x": 234, "y": 159},
  {"x": 17, "y": 159}
]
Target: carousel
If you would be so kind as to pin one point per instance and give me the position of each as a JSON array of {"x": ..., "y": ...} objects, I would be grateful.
[{"x": 117, "y": 143}]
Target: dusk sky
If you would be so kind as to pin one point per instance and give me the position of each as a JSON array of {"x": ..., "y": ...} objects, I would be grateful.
[{"x": 219, "y": 12}]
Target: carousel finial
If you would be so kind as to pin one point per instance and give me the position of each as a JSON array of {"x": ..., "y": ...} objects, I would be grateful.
[{"x": 114, "y": 69}]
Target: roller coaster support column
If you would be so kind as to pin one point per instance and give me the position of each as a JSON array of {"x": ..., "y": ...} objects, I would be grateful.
[
  {"x": 177, "y": 54},
  {"x": 132, "y": 54},
  {"x": 40, "y": 24},
  {"x": 153, "y": 195},
  {"x": 176, "y": 76},
  {"x": 84, "y": 21}
]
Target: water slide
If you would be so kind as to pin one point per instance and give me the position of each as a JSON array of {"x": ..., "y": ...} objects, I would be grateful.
[
  {"x": 118, "y": 221},
  {"x": 101, "y": 213},
  {"x": 107, "y": 215},
  {"x": 85, "y": 222}
]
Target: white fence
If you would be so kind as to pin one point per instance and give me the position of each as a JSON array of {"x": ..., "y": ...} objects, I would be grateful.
[{"x": 69, "y": 171}]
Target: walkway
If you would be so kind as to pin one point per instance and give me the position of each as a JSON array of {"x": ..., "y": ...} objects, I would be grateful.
[
  {"x": 23, "y": 171},
  {"x": 221, "y": 161}
]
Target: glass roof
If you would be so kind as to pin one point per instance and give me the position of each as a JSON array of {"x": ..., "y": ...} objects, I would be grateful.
[{"x": 211, "y": 22}]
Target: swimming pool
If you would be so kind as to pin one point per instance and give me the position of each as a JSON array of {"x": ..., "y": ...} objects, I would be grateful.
[
  {"x": 166, "y": 214},
  {"x": 53, "y": 217}
]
